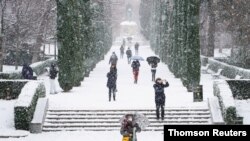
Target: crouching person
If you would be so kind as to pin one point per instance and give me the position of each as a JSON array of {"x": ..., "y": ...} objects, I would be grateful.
[{"x": 129, "y": 129}]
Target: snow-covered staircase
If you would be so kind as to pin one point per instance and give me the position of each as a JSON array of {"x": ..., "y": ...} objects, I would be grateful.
[{"x": 108, "y": 120}]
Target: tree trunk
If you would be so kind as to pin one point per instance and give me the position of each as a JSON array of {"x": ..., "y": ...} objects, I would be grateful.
[
  {"x": 3, "y": 7},
  {"x": 211, "y": 30},
  {"x": 1, "y": 53}
]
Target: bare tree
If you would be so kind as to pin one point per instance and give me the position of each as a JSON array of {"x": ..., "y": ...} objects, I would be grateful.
[
  {"x": 49, "y": 8},
  {"x": 28, "y": 23}
]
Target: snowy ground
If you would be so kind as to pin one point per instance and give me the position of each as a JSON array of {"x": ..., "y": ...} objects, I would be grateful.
[
  {"x": 93, "y": 94},
  {"x": 88, "y": 136}
]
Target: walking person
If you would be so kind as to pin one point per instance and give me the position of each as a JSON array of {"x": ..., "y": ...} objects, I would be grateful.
[
  {"x": 113, "y": 59},
  {"x": 135, "y": 66},
  {"x": 136, "y": 48},
  {"x": 53, "y": 71},
  {"x": 129, "y": 129},
  {"x": 129, "y": 54},
  {"x": 124, "y": 42},
  {"x": 121, "y": 51},
  {"x": 160, "y": 96},
  {"x": 111, "y": 84},
  {"x": 153, "y": 69}
]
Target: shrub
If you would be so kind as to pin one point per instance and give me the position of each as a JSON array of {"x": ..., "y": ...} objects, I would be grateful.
[
  {"x": 26, "y": 103},
  {"x": 226, "y": 100},
  {"x": 15, "y": 87}
]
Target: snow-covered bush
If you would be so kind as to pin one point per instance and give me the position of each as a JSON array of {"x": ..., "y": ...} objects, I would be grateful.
[
  {"x": 26, "y": 103},
  {"x": 240, "y": 88},
  {"x": 11, "y": 75},
  {"x": 38, "y": 68},
  {"x": 226, "y": 100},
  {"x": 14, "y": 86},
  {"x": 228, "y": 70}
]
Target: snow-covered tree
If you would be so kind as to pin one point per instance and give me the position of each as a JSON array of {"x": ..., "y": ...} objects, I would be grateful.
[
  {"x": 175, "y": 38},
  {"x": 84, "y": 36}
]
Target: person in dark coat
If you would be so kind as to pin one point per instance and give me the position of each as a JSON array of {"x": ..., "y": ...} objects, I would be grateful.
[
  {"x": 27, "y": 72},
  {"x": 153, "y": 69},
  {"x": 53, "y": 71},
  {"x": 129, "y": 54},
  {"x": 136, "y": 48},
  {"x": 128, "y": 125},
  {"x": 160, "y": 96},
  {"x": 135, "y": 66},
  {"x": 121, "y": 51},
  {"x": 111, "y": 84},
  {"x": 124, "y": 42},
  {"x": 113, "y": 59}
]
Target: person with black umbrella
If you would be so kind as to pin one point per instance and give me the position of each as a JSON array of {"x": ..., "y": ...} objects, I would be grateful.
[{"x": 153, "y": 61}]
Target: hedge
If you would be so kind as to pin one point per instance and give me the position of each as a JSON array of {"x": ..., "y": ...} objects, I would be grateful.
[
  {"x": 228, "y": 70},
  {"x": 240, "y": 88},
  {"x": 38, "y": 68},
  {"x": 226, "y": 101},
  {"x": 15, "y": 87},
  {"x": 25, "y": 106}
]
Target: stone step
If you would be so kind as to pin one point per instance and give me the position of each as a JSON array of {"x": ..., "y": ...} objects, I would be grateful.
[
  {"x": 124, "y": 111},
  {"x": 153, "y": 120},
  {"x": 109, "y": 120},
  {"x": 152, "y": 116},
  {"x": 105, "y": 124},
  {"x": 94, "y": 129}
]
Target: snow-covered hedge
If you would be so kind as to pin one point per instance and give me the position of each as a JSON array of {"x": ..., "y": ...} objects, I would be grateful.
[
  {"x": 38, "y": 68},
  {"x": 228, "y": 70},
  {"x": 14, "y": 87},
  {"x": 240, "y": 88},
  {"x": 26, "y": 103},
  {"x": 226, "y": 100}
]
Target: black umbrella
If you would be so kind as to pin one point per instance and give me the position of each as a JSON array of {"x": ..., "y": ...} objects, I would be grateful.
[{"x": 153, "y": 59}]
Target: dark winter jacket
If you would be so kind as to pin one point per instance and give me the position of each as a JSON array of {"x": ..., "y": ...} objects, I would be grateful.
[
  {"x": 136, "y": 65},
  {"x": 136, "y": 46},
  {"x": 159, "y": 93},
  {"x": 53, "y": 72},
  {"x": 129, "y": 53},
  {"x": 113, "y": 59},
  {"x": 27, "y": 72},
  {"x": 112, "y": 76},
  {"x": 122, "y": 49},
  {"x": 127, "y": 128}
]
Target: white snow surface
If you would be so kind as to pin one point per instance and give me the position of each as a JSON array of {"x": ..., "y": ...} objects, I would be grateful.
[
  {"x": 129, "y": 23},
  {"x": 88, "y": 136},
  {"x": 27, "y": 93}
]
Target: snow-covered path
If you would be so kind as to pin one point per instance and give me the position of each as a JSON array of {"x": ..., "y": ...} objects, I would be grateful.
[{"x": 93, "y": 93}]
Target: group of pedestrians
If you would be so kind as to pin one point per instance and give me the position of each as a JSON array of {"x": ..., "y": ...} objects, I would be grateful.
[{"x": 158, "y": 86}]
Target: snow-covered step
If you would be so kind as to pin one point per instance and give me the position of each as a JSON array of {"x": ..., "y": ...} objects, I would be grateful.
[{"x": 109, "y": 120}]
